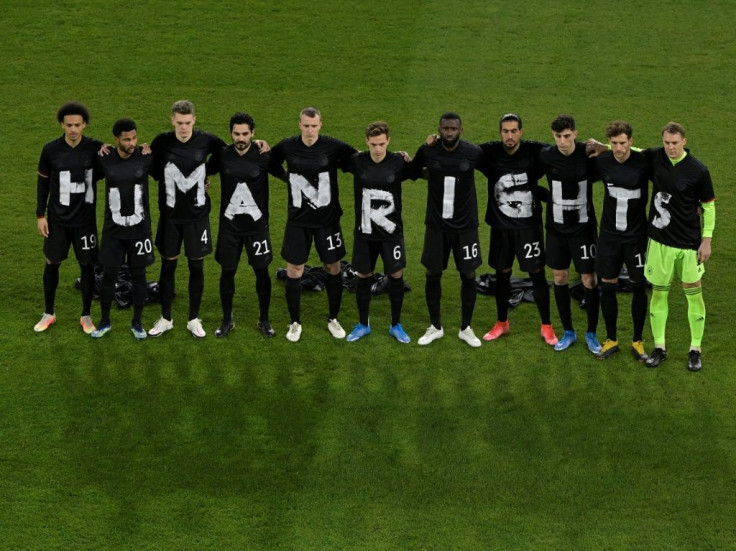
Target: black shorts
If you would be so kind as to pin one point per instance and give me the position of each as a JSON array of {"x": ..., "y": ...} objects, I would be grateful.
[
  {"x": 230, "y": 245},
  {"x": 136, "y": 253},
  {"x": 464, "y": 246},
  {"x": 196, "y": 235},
  {"x": 365, "y": 254},
  {"x": 612, "y": 254},
  {"x": 83, "y": 239},
  {"x": 526, "y": 245},
  {"x": 328, "y": 241},
  {"x": 579, "y": 248}
]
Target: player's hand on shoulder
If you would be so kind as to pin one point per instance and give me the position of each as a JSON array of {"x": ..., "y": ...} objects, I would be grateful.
[
  {"x": 105, "y": 149},
  {"x": 593, "y": 147},
  {"x": 405, "y": 155},
  {"x": 432, "y": 139},
  {"x": 263, "y": 146},
  {"x": 146, "y": 149}
]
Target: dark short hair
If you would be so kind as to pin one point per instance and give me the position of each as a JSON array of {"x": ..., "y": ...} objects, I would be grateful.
[
  {"x": 242, "y": 118},
  {"x": 182, "y": 107},
  {"x": 510, "y": 117},
  {"x": 73, "y": 108},
  {"x": 377, "y": 128},
  {"x": 563, "y": 122},
  {"x": 310, "y": 112},
  {"x": 451, "y": 116},
  {"x": 123, "y": 125},
  {"x": 616, "y": 128},
  {"x": 673, "y": 128}
]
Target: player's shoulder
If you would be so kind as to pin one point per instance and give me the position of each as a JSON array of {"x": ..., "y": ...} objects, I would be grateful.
[{"x": 697, "y": 163}]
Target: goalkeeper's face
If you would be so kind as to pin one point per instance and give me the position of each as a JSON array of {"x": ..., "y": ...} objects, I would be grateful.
[{"x": 378, "y": 146}]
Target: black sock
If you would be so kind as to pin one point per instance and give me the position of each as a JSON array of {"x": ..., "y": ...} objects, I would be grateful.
[
  {"x": 50, "y": 283},
  {"x": 396, "y": 297},
  {"x": 140, "y": 291},
  {"x": 541, "y": 295},
  {"x": 609, "y": 309},
  {"x": 294, "y": 298},
  {"x": 592, "y": 307},
  {"x": 562, "y": 298},
  {"x": 263, "y": 290},
  {"x": 196, "y": 286},
  {"x": 227, "y": 292},
  {"x": 468, "y": 292},
  {"x": 166, "y": 286},
  {"x": 107, "y": 294},
  {"x": 503, "y": 293},
  {"x": 639, "y": 310},
  {"x": 87, "y": 285},
  {"x": 363, "y": 299},
  {"x": 433, "y": 294},
  {"x": 333, "y": 284}
]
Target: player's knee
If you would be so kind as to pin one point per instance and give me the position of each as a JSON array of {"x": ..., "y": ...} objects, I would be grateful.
[
  {"x": 434, "y": 277},
  {"x": 397, "y": 275},
  {"x": 589, "y": 280},
  {"x": 468, "y": 275},
  {"x": 333, "y": 268}
]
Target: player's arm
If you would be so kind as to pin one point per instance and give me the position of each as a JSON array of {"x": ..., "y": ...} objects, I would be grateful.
[
  {"x": 42, "y": 198},
  {"x": 709, "y": 224}
]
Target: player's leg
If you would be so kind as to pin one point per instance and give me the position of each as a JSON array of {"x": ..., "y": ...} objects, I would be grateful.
[
  {"x": 583, "y": 251},
  {"x": 330, "y": 246},
  {"x": 112, "y": 252},
  {"x": 466, "y": 251},
  {"x": 260, "y": 256},
  {"x": 107, "y": 294},
  {"x": 691, "y": 276},
  {"x": 84, "y": 240},
  {"x": 56, "y": 249},
  {"x": 634, "y": 258},
  {"x": 659, "y": 269},
  {"x": 365, "y": 254},
  {"x": 608, "y": 264},
  {"x": 139, "y": 292},
  {"x": 435, "y": 256},
  {"x": 501, "y": 258},
  {"x": 197, "y": 245},
  {"x": 168, "y": 243},
  {"x": 394, "y": 261},
  {"x": 227, "y": 255},
  {"x": 295, "y": 251},
  {"x": 558, "y": 259}
]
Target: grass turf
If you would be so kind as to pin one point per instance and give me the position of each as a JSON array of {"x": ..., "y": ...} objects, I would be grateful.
[{"x": 245, "y": 443}]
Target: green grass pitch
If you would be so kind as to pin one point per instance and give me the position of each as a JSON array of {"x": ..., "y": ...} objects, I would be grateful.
[{"x": 252, "y": 444}]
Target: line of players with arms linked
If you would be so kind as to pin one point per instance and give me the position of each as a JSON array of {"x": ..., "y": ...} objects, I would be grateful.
[{"x": 672, "y": 239}]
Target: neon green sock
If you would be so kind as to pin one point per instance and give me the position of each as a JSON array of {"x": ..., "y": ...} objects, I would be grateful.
[
  {"x": 695, "y": 315},
  {"x": 658, "y": 310}
]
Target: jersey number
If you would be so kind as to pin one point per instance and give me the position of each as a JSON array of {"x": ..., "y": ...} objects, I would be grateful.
[
  {"x": 261, "y": 247},
  {"x": 144, "y": 247},
  {"x": 533, "y": 250},
  {"x": 332, "y": 245}
]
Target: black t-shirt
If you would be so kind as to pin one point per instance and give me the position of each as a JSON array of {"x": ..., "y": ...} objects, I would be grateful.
[
  {"x": 127, "y": 210},
  {"x": 180, "y": 170},
  {"x": 570, "y": 209},
  {"x": 626, "y": 194},
  {"x": 70, "y": 189},
  {"x": 452, "y": 204},
  {"x": 512, "y": 185},
  {"x": 244, "y": 180},
  {"x": 314, "y": 200},
  {"x": 677, "y": 192},
  {"x": 377, "y": 189}
]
